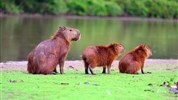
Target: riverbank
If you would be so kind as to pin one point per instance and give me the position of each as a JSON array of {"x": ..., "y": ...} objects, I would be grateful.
[
  {"x": 78, "y": 64},
  {"x": 124, "y": 18}
]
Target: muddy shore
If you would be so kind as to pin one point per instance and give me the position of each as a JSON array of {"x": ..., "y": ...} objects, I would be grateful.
[{"x": 78, "y": 64}]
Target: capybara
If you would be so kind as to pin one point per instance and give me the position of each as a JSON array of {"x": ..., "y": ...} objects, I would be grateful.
[
  {"x": 134, "y": 60},
  {"x": 94, "y": 56},
  {"x": 47, "y": 54}
]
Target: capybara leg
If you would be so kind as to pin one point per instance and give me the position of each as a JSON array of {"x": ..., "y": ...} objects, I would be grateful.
[
  {"x": 104, "y": 70},
  {"x": 55, "y": 71},
  {"x": 142, "y": 71},
  {"x": 91, "y": 70},
  {"x": 86, "y": 68},
  {"x": 61, "y": 67},
  {"x": 109, "y": 67}
]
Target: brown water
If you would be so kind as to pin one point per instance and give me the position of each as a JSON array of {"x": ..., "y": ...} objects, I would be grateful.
[{"x": 19, "y": 35}]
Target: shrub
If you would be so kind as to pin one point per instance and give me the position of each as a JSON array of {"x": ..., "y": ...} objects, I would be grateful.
[
  {"x": 58, "y": 7},
  {"x": 162, "y": 8},
  {"x": 138, "y": 8},
  {"x": 143, "y": 8},
  {"x": 9, "y": 6},
  {"x": 96, "y": 8},
  {"x": 113, "y": 9},
  {"x": 76, "y": 7}
]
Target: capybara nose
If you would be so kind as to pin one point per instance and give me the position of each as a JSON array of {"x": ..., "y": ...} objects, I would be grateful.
[
  {"x": 79, "y": 35},
  {"x": 151, "y": 53},
  {"x": 123, "y": 49}
]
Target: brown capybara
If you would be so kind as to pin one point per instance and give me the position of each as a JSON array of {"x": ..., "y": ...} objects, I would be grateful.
[
  {"x": 134, "y": 60},
  {"x": 94, "y": 56},
  {"x": 46, "y": 55}
]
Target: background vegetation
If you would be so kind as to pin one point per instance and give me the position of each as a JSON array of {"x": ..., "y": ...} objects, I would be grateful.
[{"x": 141, "y": 8}]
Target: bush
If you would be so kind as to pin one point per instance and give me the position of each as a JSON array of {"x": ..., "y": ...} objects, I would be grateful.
[
  {"x": 9, "y": 6},
  {"x": 142, "y": 8},
  {"x": 58, "y": 7},
  {"x": 76, "y": 7},
  {"x": 113, "y": 9},
  {"x": 138, "y": 8},
  {"x": 162, "y": 8},
  {"x": 96, "y": 8}
]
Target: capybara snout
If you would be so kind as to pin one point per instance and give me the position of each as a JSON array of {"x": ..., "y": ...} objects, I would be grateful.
[{"x": 77, "y": 37}]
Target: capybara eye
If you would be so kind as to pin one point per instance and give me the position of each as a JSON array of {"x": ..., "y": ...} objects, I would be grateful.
[
  {"x": 119, "y": 46},
  {"x": 70, "y": 30}
]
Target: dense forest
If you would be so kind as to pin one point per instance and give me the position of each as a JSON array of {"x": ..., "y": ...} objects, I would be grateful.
[{"x": 139, "y": 8}]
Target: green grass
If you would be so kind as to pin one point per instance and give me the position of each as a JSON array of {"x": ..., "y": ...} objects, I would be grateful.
[{"x": 75, "y": 85}]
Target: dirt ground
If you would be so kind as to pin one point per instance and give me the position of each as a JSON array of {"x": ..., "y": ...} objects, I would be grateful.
[{"x": 78, "y": 64}]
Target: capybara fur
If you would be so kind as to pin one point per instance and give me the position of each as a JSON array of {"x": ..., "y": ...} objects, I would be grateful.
[
  {"x": 134, "y": 60},
  {"x": 49, "y": 53},
  {"x": 94, "y": 56}
]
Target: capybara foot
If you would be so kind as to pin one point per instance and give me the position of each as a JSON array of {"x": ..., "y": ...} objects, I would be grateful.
[
  {"x": 148, "y": 72},
  {"x": 93, "y": 73},
  {"x": 54, "y": 73},
  {"x": 86, "y": 71},
  {"x": 104, "y": 72}
]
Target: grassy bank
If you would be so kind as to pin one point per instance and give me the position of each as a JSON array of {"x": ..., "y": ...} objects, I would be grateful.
[
  {"x": 18, "y": 84},
  {"x": 138, "y": 8}
]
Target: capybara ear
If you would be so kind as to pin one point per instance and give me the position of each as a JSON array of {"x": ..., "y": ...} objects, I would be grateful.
[
  {"x": 62, "y": 28},
  {"x": 142, "y": 45}
]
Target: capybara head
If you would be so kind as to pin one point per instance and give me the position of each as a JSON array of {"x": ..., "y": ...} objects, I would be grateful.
[
  {"x": 146, "y": 49},
  {"x": 70, "y": 34},
  {"x": 118, "y": 48}
]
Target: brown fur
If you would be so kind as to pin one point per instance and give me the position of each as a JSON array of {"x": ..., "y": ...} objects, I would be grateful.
[
  {"x": 94, "y": 56},
  {"x": 47, "y": 54},
  {"x": 134, "y": 60}
]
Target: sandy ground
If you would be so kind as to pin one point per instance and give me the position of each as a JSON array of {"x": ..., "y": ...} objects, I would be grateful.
[{"x": 78, "y": 64}]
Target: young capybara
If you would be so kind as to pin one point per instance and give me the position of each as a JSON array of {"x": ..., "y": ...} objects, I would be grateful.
[
  {"x": 134, "y": 60},
  {"x": 94, "y": 56},
  {"x": 47, "y": 54}
]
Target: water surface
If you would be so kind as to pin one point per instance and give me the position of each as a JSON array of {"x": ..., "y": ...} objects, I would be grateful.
[{"x": 19, "y": 35}]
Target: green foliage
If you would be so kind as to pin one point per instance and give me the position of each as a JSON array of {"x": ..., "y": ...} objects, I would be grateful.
[
  {"x": 97, "y": 8},
  {"x": 76, "y": 7},
  {"x": 9, "y": 6},
  {"x": 171, "y": 81},
  {"x": 162, "y": 8},
  {"x": 113, "y": 9},
  {"x": 142, "y": 8},
  {"x": 138, "y": 8},
  {"x": 94, "y": 8},
  {"x": 58, "y": 7}
]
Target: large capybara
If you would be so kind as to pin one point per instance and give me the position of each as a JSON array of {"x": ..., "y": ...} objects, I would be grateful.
[
  {"x": 46, "y": 55},
  {"x": 94, "y": 56},
  {"x": 134, "y": 60}
]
